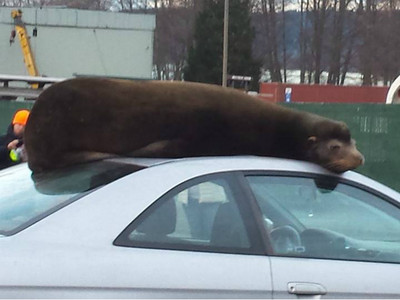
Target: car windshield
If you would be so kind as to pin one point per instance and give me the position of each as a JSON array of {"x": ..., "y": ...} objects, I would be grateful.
[{"x": 26, "y": 198}]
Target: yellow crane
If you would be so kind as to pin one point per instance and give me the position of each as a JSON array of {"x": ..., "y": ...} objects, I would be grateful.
[{"x": 27, "y": 52}]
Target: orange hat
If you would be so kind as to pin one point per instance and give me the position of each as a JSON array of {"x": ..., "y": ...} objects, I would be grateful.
[{"x": 21, "y": 117}]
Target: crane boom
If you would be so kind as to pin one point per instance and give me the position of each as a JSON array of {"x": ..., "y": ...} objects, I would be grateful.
[{"x": 27, "y": 52}]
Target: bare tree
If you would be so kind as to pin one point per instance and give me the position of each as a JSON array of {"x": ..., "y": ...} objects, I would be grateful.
[
  {"x": 272, "y": 62},
  {"x": 387, "y": 42},
  {"x": 284, "y": 53},
  {"x": 336, "y": 43},
  {"x": 304, "y": 41},
  {"x": 173, "y": 36},
  {"x": 319, "y": 23},
  {"x": 367, "y": 23}
]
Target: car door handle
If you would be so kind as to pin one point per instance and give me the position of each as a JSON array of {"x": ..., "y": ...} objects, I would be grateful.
[{"x": 306, "y": 288}]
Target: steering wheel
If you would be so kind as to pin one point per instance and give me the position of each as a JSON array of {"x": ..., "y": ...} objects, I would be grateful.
[{"x": 285, "y": 239}]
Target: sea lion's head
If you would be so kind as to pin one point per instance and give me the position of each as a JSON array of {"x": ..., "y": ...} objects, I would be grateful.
[{"x": 332, "y": 147}]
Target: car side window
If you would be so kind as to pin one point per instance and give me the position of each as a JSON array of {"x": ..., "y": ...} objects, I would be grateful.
[
  {"x": 306, "y": 217},
  {"x": 200, "y": 216}
]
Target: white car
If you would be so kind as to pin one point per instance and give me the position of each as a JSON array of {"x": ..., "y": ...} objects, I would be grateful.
[{"x": 226, "y": 227}]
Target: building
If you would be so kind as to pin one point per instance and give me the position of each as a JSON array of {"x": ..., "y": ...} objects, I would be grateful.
[{"x": 71, "y": 42}]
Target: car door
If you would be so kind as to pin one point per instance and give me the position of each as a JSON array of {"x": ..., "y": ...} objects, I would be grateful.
[
  {"x": 198, "y": 240},
  {"x": 330, "y": 238}
]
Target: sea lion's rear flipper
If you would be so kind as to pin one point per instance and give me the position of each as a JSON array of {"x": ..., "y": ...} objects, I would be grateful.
[{"x": 66, "y": 159}]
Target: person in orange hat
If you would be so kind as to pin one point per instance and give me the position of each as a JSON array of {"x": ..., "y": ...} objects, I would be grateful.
[{"x": 11, "y": 144}]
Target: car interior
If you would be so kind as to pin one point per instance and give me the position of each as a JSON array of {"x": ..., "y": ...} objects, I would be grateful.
[
  {"x": 206, "y": 217},
  {"x": 290, "y": 237}
]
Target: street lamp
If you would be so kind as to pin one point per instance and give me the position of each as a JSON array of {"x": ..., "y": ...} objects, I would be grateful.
[{"x": 225, "y": 47}]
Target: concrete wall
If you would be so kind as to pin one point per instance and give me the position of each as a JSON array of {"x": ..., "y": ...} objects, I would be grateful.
[{"x": 74, "y": 42}]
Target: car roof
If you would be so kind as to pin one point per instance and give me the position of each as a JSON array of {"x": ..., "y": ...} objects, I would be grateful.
[
  {"x": 191, "y": 167},
  {"x": 222, "y": 162},
  {"x": 231, "y": 163},
  {"x": 216, "y": 164}
]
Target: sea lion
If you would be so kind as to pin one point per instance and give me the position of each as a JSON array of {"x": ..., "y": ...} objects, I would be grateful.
[{"x": 83, "y": 119}]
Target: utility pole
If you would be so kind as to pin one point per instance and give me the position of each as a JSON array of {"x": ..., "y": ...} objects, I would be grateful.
[{"x": 225, "y": 47}]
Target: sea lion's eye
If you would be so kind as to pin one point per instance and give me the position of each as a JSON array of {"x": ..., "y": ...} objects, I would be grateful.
[{"x": 334, "y": 147}]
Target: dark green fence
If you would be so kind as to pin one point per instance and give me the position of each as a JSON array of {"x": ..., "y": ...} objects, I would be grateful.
[
  {"x": 7, "y": 110},
  {"x": 375, "y": 127}
]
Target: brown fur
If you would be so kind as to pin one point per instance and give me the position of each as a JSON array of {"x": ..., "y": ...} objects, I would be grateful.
[{"x": 83, "y": 119}]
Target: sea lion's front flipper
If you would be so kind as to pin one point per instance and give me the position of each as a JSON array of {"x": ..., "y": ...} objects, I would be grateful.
[{"x": 164, "y": 148}]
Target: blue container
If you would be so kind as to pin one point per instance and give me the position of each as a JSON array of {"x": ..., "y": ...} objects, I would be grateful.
[{"x": 288, "y": 94}]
